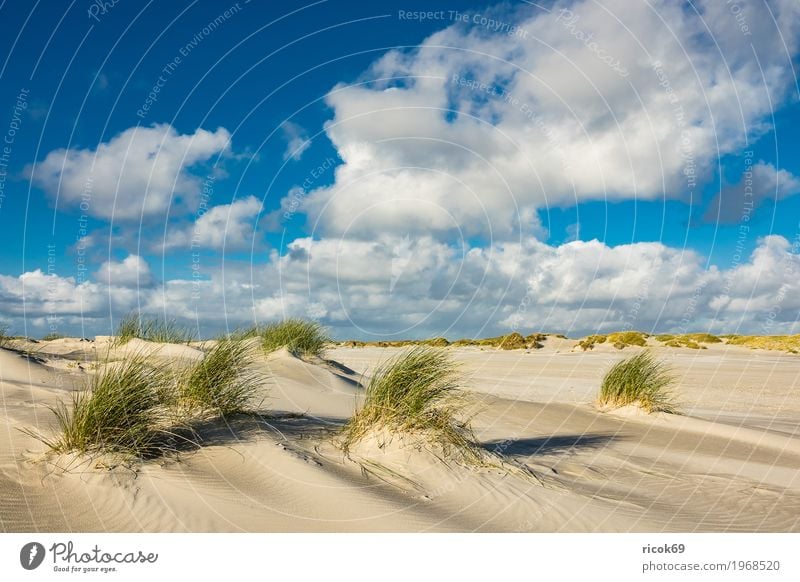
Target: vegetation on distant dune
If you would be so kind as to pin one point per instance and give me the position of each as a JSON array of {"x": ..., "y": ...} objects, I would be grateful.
[
  {"x": 301, "y": 337},
  {"x": 619, "y": 340},
  {"x": 155, "y": 330},
  {"x": 511, "y": 341},
  {"x": 639, "y": 380},
  {"x": 590, "y": 341},
  {"x": 784, "y": 343},
  {"x": 694, "y": 341},
  {"x": 415, "y": 392}
]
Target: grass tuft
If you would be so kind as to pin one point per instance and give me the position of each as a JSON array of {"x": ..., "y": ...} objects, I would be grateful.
[
  {"x": 118, "y": 410},
  {"x": 619, "y": 339},
  {"x": 155, "y": 330},
  {"x": 787, "y": 343},
  {"x": 638, "y": 380},
  {"x": 299, "y": 336},
  {"x": 688, "y": 340},
  {"x": 415, "y": 392},
  {"x": 222, "y": 382},
  {"x": 4, "y": 338}
]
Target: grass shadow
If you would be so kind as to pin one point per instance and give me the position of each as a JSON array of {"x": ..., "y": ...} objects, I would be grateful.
[
  {"x": 551, "y": 445},
  {"x": 248, "y": 427}
]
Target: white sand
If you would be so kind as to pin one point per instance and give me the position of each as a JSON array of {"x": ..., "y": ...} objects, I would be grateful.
[{"x": 731, "y": 464}]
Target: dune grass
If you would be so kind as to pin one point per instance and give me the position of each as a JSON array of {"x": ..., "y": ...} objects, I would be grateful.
[
  {"x": 694, "y": 341},
  {"x": 415, "y": 392},
  {"x": 785, "y": 343},
  {"x": 222, "y": 383},
  {"x": 155, "y": 330},
  {"x": 118, "y": 410},
  {"x": 4, "y": 338},
  {"x": 301, "y": 337},
  {"x": 142, "y": 408},
  {"x": 640, "y": 380},
  {"x": 619, "y": 339},
  {"x": 52, "y": 336}
]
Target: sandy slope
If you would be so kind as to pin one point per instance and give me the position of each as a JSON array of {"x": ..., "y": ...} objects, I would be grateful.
[{"x": 733, "y": 463}]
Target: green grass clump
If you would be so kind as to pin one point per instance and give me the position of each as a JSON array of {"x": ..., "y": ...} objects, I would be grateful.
[
  {"x": 511, "y": 341},
  {"x": 415, "y": 392},
  {"x": 222, "y": 382},
  {"x": 682, "y": 342},
  {"x": 688, "y": 340},
  {"x": 622, "y": 339},
  {"x": 154, "y": 330},
  {"x": 589, "y": 342},
  {"x": 638, "y": 380},
  {"x": 787, "y": 343},
  {"x": 703, "y": 338},
  {"x": 52, "y": 336},
  {"x": 436, "y": 342},
  {"x": 118, "y": 410},
  {"x": 619, "y": 339},
  {"x": 299, "y": 336}
]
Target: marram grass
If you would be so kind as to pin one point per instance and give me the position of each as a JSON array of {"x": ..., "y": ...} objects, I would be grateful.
[
  {"x": 137, "y": 408},
  {"x": 118, "y": 410},
  {"x": 415, "y": 392},
  {"x": 640, "y": 380},
  {"x": 299, "y": 336},
  {"x": 155, "y": 330},
  {"x": 223, "y": 382}
]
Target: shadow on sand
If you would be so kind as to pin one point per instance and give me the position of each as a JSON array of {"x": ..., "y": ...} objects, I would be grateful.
[
  {"x": 551, "y": 445},
  {"x": 241, "y": 428}
]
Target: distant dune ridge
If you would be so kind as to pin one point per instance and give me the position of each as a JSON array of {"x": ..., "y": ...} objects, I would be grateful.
[{"x": 250, "y": 432}]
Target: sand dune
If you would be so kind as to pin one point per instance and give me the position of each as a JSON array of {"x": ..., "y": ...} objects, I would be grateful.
[{"x": 732, "y": 463}]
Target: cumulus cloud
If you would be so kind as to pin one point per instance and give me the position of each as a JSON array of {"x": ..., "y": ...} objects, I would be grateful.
[
  {"x": 132, "y": 272},
  {"x": 140, "y": 173},
  {"x": 225, "y": 226},
  {"x": 438, "y": 289},
  {"x": 297, "y": 141},
  {"x": 475, "y": 131}
]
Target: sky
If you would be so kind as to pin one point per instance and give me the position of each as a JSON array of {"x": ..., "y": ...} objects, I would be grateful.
[{"x": 401, "y": 169}]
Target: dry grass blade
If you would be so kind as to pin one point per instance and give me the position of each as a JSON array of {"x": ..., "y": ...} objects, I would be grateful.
[
  {"x": 638, "y": 380},
  {"x": 416, "y": 392}
]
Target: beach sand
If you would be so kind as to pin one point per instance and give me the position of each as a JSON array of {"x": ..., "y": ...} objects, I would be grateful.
[{"x": 730, "y": 463}]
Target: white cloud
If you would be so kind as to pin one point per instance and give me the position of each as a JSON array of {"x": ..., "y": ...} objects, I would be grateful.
[
  {"x": 132, "y": 272},
  {"x": 140, "y": 173},
  {"x": 543, "y": 121},
  {"x": 353, "y": 286},
  {"x": 297, "y": 141},
  {"x": 225, "y": 226}
]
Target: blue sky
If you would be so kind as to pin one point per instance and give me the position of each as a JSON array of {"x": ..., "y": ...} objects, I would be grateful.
[{"x": 406, "y": 169}]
